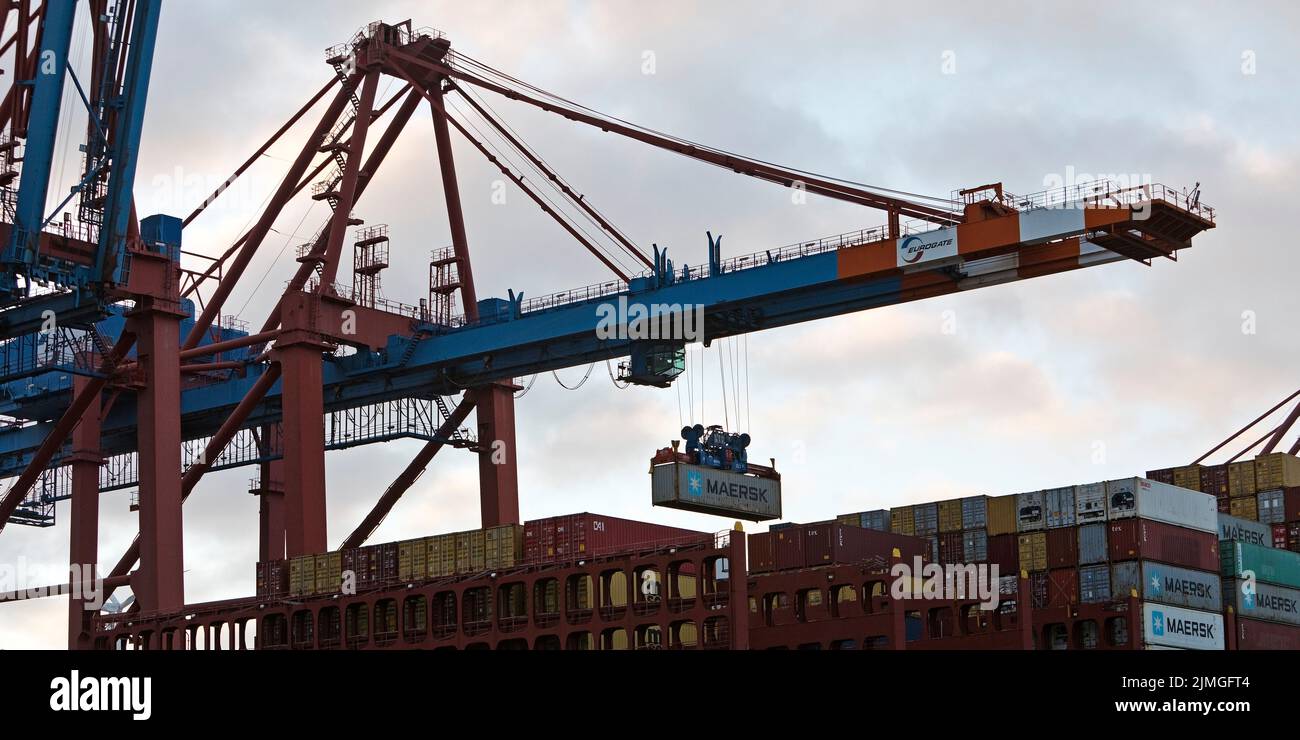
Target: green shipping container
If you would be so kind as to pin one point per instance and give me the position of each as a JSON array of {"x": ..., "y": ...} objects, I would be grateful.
[{"x": 1279, "y": 567}]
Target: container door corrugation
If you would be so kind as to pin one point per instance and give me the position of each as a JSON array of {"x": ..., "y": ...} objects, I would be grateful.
[
  {"x": 1092, "y": 544},
  {"x": 975, "y": 546},
  {"x": 1030, "y": 515},
  {"x": 902, "y": 520},
  {"x": 1090, "y": 503},
  {"x": 1241, "y": 479},
  {"x": 1280, "y": 536},
  {"x": 1269, "y": 507},
  {"x": 1164, "y": 475},
  {"x": 1188, "y": 476},
  {"x": 1246, "y": 507},
  {"x": 950, "y": 515},
  {"x": 1094, "y": 583},
  {"x": 853, "y": 520},
  {"x": 1214, "y": 480},
  {"x": 1126, "y": 579},
  {"x": 951, "y": 547},
  {"x": 1062, "y": 548},
  {"x": 926, "y": 518},
  {"x": 877, "y": 519},
  {"x": 1059, "y": 504},
  {"x": 1276, "y": 470},
  {"x": 1001, "y": 515},
  {"x": 1033, "y": 551},
  {"x": 1062, "y": 587},
  {"x": 974, "y": 512}
]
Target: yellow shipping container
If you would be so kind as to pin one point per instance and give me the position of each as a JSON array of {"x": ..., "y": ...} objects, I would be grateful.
[
  {"x": 1033, "y": 551},
  {"x": 462, "y": 552},
  {"x": 504, "y": 546},
  {"x": 308, "y": 571},
  {"x": 1241, "y": 479},
  {"x": 477, "y": 550},
  {"x": 295, "y": 577},
  {"x": 950, "y": 515},
  {"x": 1188, "y": 476},
  {"x": 448, "y": 548},
  {"x": 1001, "y": 515},
  {"x": 329, "y": 572},
  {"x": 433, "y": 557},
  {"x": 1276, "y": 470},
  {"x": 853, "y": 520},
  {"x": 412, "y": 558},
  {"x": 902, "y": 519},
  {"x": 1246, "y": 507}
]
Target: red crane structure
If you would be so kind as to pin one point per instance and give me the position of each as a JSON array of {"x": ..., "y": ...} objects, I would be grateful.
[{"x": 162, "y": 387}]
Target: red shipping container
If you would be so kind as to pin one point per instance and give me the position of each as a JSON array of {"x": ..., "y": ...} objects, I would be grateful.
[
  {"x": 362, "y": 563},
  {"x": 1038, "y": 589},
  {"x": 1062, "y": 587},
  {"x": 387, "y": 566},
  {"x": 1279, "y": 536},
  {"x": 1143, "y": 539},
  {"x": 789, "y": 545},
  {"x": 1004, "y": 551},
  {"x": 762, "y": 552},
  {"x": 577, "y": 536},
  {"x": 1253, "y": 634},
  {"x": 1293, "y": 536},
  {"x": 1063, "y": 548},
  {"x": 1163, "y": 475},
  {"x": 1291, "y": 504},
  {"x": 833, "y": 543},
  {"x": 951, "y": 548},
  {"x": 1214, "y": 480}
]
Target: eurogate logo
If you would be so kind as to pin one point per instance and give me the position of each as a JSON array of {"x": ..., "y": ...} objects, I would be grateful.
[
  {"x": 907, "y": 247},
  {"x": 933, "y": 245}
]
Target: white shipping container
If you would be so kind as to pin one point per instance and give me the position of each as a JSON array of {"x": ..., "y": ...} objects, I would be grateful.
[
  {"x": 1030, "y": 513},
  {"x": 1161, "y": 502},
  {"x": 1090, "y": 503},
  {"x": 1174, "y": 626},
  {"x": 1058, "y": 504}
]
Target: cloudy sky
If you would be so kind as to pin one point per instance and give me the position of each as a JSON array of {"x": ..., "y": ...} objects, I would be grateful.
[{"x": 1080, "y": 377}]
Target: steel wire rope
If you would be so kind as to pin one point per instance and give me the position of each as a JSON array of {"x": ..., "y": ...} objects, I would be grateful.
[
  {"x": 624, "y": 386},
  {"x": 580, "y": 382}
]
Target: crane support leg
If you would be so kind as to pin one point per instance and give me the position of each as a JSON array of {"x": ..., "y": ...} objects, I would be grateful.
[
  {"x": 159, "y": 586},
  {"x": 498, "y": 472},
  {"x": 83, "y": 551},
  {"x": 304, "y": 447},
  {"x": 271, "y": 524}
]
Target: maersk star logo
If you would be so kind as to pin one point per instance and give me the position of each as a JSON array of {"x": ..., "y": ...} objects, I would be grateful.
[
  {"x": 694, "y": 483},
  {"x": 1155, "y": 583},
  {"x": 1158, "y": 624}
]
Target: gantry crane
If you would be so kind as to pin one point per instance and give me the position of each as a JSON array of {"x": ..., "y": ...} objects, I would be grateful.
[{"x": 144, "y": 383}]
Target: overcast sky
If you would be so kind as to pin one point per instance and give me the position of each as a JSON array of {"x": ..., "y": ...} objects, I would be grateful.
[{"x": 1086, "y": 376}]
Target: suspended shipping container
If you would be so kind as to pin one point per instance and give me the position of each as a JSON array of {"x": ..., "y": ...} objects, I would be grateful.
[
  {"x": 1139, "y": 497},
  {"x": 1234, "y": 528},
  {"x": 1140, "y": 539},
  {"x": 1267, "y": 603},
  {"x": 1168, "y": 584},
  {"x": 709, "y": 490},
  {"x": 1174, "y": 626},
  {"x": 1092, "y": 544},
  {"x": 1030, "y": 514}
]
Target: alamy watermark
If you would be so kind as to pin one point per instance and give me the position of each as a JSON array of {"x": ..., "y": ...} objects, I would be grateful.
[
  {"x": 23, "y": 580},
  {"x": 933, "y": 581},
  {"x": 625, "y": 320}
]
